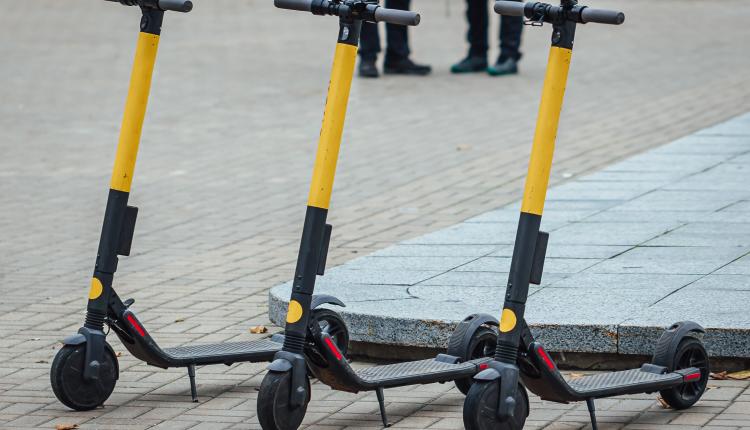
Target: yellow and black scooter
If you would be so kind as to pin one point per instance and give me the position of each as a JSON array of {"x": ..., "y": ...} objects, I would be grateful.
[
  {"x": 85, "y": 370},
  {"x": 285, "y": 390},
  {"x": 498, "y": 400}
]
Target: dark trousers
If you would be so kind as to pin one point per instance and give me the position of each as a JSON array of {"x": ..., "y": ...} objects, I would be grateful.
[
  {"x": 477, "y": 13},
  {"x": 396, "y": 36}
]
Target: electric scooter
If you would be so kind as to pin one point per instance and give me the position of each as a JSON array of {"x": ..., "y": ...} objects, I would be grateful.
[
  {"x": 285, "y": 390},
  {"x": 498, "y": 400},
  {"x": 85, "y": 370}
]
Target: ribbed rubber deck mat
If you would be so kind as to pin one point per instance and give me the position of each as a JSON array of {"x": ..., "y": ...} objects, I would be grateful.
[
  {"x": 221, "y": 349},
  {"x": 618, "y": 379},
  {"x": 409, "y": 369}
]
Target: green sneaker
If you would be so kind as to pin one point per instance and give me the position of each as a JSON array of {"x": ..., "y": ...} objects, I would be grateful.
[
  {"x": 470, "y": 65},
  {"x": 507, "y": 67}
]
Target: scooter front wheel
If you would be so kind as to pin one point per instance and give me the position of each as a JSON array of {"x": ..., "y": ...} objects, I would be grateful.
[
  {"x": 480, "y": 408},
  {"x": 274, "y": 410},
  {"x": 69, "y": 385}
]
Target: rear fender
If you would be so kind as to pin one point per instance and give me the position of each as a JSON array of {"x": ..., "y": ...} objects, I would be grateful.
[{"x": 321, "y": 299}]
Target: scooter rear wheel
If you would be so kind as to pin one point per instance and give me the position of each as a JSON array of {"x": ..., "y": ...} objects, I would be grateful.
[
  {"x": 480, "y": 408},
  {"x": 482, "y": 344},
  {"x": 690, "y": 353},
  {"x": 274, "y": 410},
  {"x": 331, "y": 323},
  {"x": 68, "y": 384}
]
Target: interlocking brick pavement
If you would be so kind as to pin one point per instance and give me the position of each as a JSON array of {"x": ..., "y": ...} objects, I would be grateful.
[{"x": 224, "y": 168}]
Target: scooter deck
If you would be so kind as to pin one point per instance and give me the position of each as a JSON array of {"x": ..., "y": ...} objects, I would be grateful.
[
  {"x": 624, "y": 382},
  {"x": 225, "y": 353},
  {"x": 417, "y": 372}
]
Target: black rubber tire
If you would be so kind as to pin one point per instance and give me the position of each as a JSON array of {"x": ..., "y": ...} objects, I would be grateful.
[
  {"x": 274, "y": 412},
  {"x": 690, "y": 353},
  {"x": 481, "y": 403},
  {"x": 482, "y": 344},
  {"x": 66, "y": 376},
  {"x": 330, "y": 322}
]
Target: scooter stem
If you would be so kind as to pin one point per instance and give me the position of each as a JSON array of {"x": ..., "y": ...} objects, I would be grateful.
[
  {"x": 313, "y": 246},
  {"x": 122, "y": 172},
  {"x": 535, "y": 191}
]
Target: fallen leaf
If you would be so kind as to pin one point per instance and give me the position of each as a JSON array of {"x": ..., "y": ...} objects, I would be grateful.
[
  {"x": 742, "y": 375},
  {"x": 66, "y": 426},
  {"x": 42, "y": 361},
  {"x": 35, "y": 338},
  {"x": 179, "y": 320},
  {"x": 663, "y": 403},
  {"x": 118, "y": 354},
  {"x": 720, "y": 375},
  {"x": 576, "y": 376},
  {"x": 258, "y": 329},
  {"x": 463, "y": 147}
]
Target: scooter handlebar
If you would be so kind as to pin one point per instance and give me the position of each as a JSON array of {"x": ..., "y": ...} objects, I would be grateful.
[
  {"x": 579, "y": 14},
  {"x": 373, "y": 12},
  {"x": 510, "y": 8},
  {"x": 173, "y": 5},
  {"x": 301, "y": 5},
  {"x": 396, "y": 16},
  {"x": 176, "y": 5},
  {"x": 602, "y": 16}
]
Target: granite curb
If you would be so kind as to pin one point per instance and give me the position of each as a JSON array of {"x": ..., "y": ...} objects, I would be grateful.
[{"x": 659, "y": 237}]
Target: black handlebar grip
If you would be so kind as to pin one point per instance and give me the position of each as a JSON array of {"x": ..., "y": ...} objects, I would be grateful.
[
  {"x": 602, "y": 16},
  {"x": 396, "y": 16},
  {"x": 510, "y": 8},
  {"x": 176, "y": 5},
  {"x": 301, "y": 5}
]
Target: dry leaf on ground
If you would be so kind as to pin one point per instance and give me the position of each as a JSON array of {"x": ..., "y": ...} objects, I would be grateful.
[
  {"x": 258, "y": 329},
  {"x": 66, "y": 426},
  {"x": 573, "y": 376},
  {"x": 663, "y": 403},
  {"x": 742, "y": 375}
]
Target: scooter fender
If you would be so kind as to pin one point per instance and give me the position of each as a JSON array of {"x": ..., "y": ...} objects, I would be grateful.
[
  {"x": 458, "y": 347},
  {"x": 279, "y": 365},
  {"x": 489, "y": 374},
  {"x": 295, "y": 363},
  {"x": 321, "y": 299},
  {"x": 679, "y": 332},
  {"x": 74, "y": 339}
]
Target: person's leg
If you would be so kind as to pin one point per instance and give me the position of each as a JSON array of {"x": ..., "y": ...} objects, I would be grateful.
[
  {"x": 397, "y": 36},
  {"x": 510, "y": 37},
  {"x": 369, "y": 47},
  {"x": 478, "y": 18},
  {"x": 510, "y": 43},
  {"x": 397, "y": 49}
]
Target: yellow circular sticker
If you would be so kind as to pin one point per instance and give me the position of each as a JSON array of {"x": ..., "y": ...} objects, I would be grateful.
[
  {"x": 96, "y": 289},
  {"x": 294, "y": 313},
  {"x": 507, "y": 321}
]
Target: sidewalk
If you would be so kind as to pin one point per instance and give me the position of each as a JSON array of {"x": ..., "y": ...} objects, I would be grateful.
[
  {"x": 657, "y": 238},
  {"x": 224, "y": 169}
]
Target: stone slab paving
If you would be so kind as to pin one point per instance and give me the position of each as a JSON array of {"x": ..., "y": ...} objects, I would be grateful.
[
  {"x": 224, "y": 168},
  {"x": 627, "y": 257}
]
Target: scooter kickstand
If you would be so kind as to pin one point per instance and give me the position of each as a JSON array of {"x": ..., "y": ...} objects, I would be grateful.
[
  {"x": 193, "y": 389},
  {"x": 381, "y": 402},
  {"x": 592, "y": 413}
]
